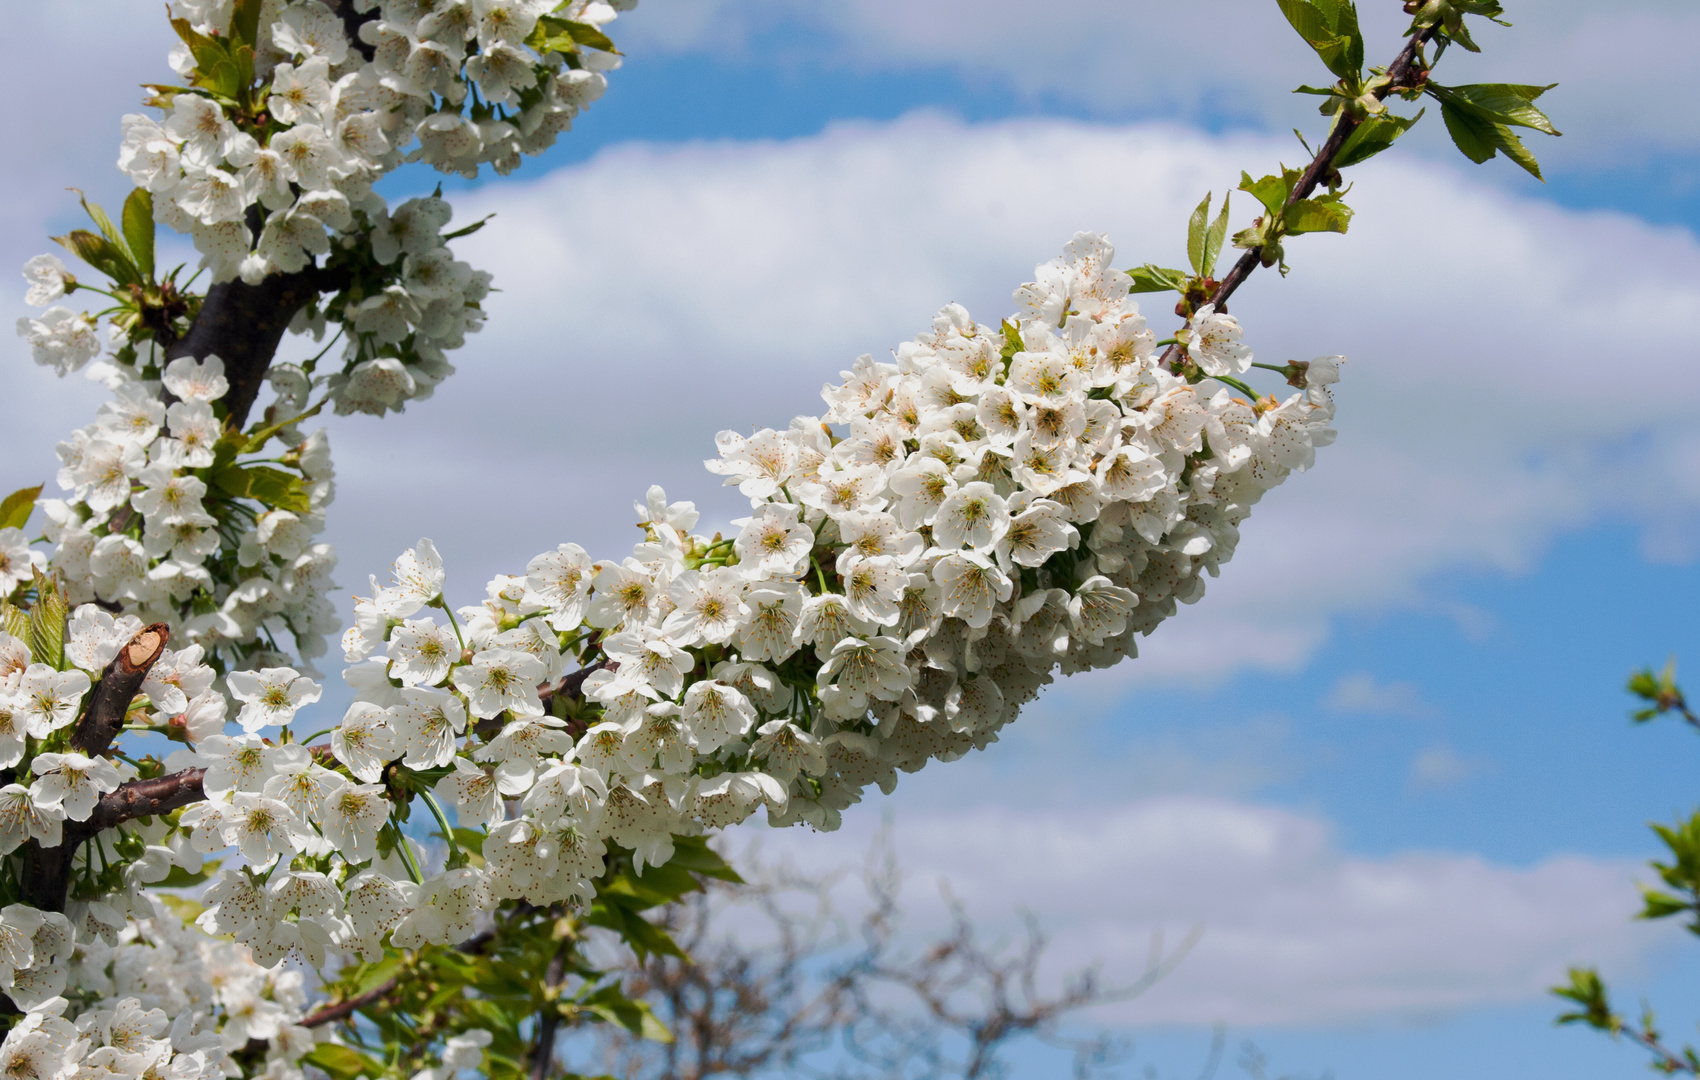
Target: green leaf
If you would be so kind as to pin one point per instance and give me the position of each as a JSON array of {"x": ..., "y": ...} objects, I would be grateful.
[
  {"x": 180, "y": 878},
  {"x": 1012, "y": 342},
  {"x": 138, "y": 229},
  {"x": 274, "y": 487},
  {"x": 1660, "y": 905},
  {"x": 1195, "y": 229},
  {"x": 1372, "y": 137},
  {"x": 693, "y": 853},
  {"x": 47, "y": 623},
  {"x": 102, "y": 254},
  {"x": 642, "y": 936},
  {"x": 555, "y": 34},
  {"x": 15, "y": 510},
  {"x": 15, "y": 621},
  {"x": 1316, "y": 215},
  {"x": 1480, "y": 138},
  {"x": 1149, "y": 278},
  {"x": 1503, "y": 103},
  {"x": 245, "y": 21},
  {"x": 1331, "y": 28},
  {"x": 1271, "y": 191},
  {"x": 1213, "y": 239},
  {"x": 611, "y": 1003},
  {"x": 343, "y": 1062}
]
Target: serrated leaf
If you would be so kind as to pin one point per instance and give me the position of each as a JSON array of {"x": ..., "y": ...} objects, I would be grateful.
[
  {"x": 1330, "y": 27},
  {"x": 180, "y": 878},
  {"x": 138, "y": 229},
  {"x": 15, "y": 621},
  {"x": 15, "y": 510},
  {"x": 1149, "y": 278},
  {"x": 555, "y": 34},
  {"x": 1213, "y": 239},
  {"x": 1480, "y": 138},
  {"x": 611, "y": 1003},
  {"x": 245, "y": 21},
  {"x": 343, "y": 1062},
  {"x": 1316, "y": 215},
  {"x": 274, "y": 487},
  {"x": 47, "y": 623},
  {"x": 100, "y": 253},
  {"x": 1372, "y": 137},
  {"x": 1271, "y": 191},
  {"x": 1503, "y": 103},
  {"x": 1012, "y": 342},
  {"x": 693, "y": 853},
  {"x": 1195, "y": 230}
]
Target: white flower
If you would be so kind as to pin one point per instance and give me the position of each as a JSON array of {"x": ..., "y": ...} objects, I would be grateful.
[
  {"x": 17, "y": 562},
  {"x": 1213, "y": 342},
  {"x": 352, "y": 817},
  {"x": 770, "y": 631},
  {"x": 970, "y": 587},
  {"x": 716, "y": 713},
  {"x": 196, "y": 381},
  {"x": 48, "y": 700},
  {"x": 708, "y": 606},
  {"x": 263, "y": 828},
  {"x": 270, "y": 696},
  {"x": 501, "y": 680},
  {"x": 427, "y": 723},
  {"x": 873, "y": 588},
  {"x": 974, "y": 515},
  {"x": 23, "y": 819},
  {"x": 365, "y": 741},
  {"x": 72, "y": 782},
  {"x": 61, "y": 339},
  {"x": 773, "y": 543},
  {"x": 445, "y": 910},
  {"x": 421, "y": 651},
  {"x": 47, "y": 277},
  {"x": 419, "y": 578},
  {"x": 560, "y": 581}
]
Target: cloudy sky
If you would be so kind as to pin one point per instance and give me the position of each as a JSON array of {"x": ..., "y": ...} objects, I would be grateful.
[{"x": 1384, "y": 763}]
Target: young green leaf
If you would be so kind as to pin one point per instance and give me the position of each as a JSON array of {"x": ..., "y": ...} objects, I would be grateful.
[
  {"x": 1271, "y": 191},
  {"x": 1149, "y": 278},
  {"x": 555, "y": 34},
  {"x": 1012, "y": 342},
  {"x": 15, "y": 621},
  {"x": 1316, "y": 215},
  {"x": 138, "y": 229},
  {"x": 1503, "y": 103},
  {"x": 1371, "y": 137},
  {"x": 102, "y": 254},
  {"x": 274, "y": 487},
  {"x": 47, "y": 623},
  {"x": 1213, "y": 239},
  {"x": 1195, "y": 230},
  {"x": 245, "y": 22},
  {"x": 1479, "y": 138},
  {"x": 1331, "y": 28},
  {"x": 15, "y": 510}
]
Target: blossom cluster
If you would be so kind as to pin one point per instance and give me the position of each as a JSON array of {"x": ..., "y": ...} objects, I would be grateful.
[
  {"x": 453, "y": 83},
  {"x": 140, "y": 994},
  {"x": 157, "y": 523},
  {"x": 990, "y": 508}
]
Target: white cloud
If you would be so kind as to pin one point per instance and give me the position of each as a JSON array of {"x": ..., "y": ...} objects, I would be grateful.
[
  {"x": 1233, "y": 59},
  {"x": 1518, "y": 370},
  {"x": 1441, "y": 766},
  {"x": 1361, "y": 692},
  {"x": 1296, "y": 932}
]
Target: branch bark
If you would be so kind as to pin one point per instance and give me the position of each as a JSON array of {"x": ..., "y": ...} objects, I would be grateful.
[
  {"x": 119, "y": 684},
  {"x": 549, "y": 1020},
  {"x": 243, "y": 324},
  {"x": 1321, "y": 166},
  {"x": 46, "y": 871}
]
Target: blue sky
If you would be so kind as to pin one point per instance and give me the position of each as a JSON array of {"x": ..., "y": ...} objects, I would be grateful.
[{"x": 1398, "y": 719}]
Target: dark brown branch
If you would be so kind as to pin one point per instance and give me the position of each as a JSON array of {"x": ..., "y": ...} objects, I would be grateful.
[
  {"x": 342, "y": 1010},
  {"x": 142, "y": 798},
  {"x": 119, "y": 684},
  {"x": 1399, "y": 77},
  {"x": 242, "y": 325},
  {"x": 46, "y": 871},
  {"x": 549, "y": 1020}
]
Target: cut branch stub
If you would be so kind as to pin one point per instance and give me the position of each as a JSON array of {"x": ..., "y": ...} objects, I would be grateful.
[{"x": 119, "y": 684}]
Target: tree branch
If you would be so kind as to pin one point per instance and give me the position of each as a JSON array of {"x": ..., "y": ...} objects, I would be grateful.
[
  {"x": 242, "y": 325},
  {"x": 119, "y": 684},
  {"x": 549, "y": 1019},
  {"x": 1320, "y": 168},
  {"x": 342, "y": 1010}
]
